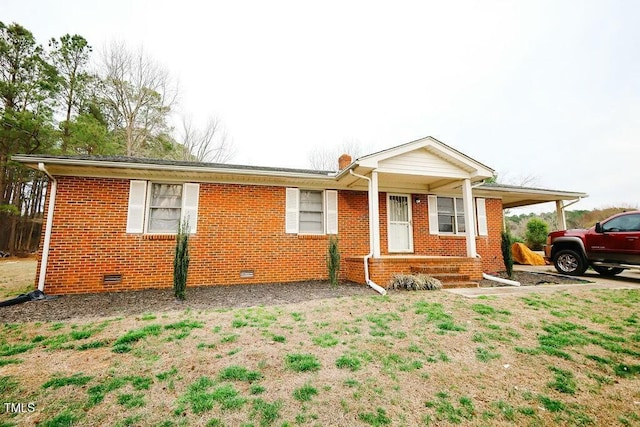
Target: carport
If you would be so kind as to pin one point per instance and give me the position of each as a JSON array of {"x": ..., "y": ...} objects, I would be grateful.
[{"x": 515, "y": 197}]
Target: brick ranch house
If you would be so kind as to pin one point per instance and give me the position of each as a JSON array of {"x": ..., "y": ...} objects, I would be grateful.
[{"x": 422, "y": 206}]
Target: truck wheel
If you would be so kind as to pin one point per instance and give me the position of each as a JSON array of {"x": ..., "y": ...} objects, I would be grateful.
[
  {"x": 568, "y": 261},
  {"x": 607, "y": 271}
]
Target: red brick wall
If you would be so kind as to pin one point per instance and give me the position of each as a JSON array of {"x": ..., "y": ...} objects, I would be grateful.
[{"x": 240, "y": 227}]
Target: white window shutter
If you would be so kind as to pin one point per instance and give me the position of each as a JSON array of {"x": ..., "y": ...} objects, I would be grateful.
[
  {"x": 481, "y": 213},
  {"x": 332, "y": 211},
  {"x": 433, "y": 214},
  {"x": 136, "y": 208},
  {"x": 190, "y": 199},
  {"x": 292, "y": 211}
]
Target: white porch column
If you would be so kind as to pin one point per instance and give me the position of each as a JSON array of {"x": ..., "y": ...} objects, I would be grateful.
[
  {"x": 469, "y": 215},
  {"x": 562, "y": 219},
  {"x": 375, "y": 214}
]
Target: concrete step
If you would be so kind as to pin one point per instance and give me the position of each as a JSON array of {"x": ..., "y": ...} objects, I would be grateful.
[
  {"x": 435, "y": 269},
  {"x": 449, "y": 278},
  {"x": 457, "y": 285}
]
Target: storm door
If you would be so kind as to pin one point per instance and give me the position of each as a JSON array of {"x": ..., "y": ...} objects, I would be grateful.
[{"x": 400, "y": 231}]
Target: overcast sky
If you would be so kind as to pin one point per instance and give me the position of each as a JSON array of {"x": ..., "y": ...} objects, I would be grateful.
[{"x": 542, "y": 89}]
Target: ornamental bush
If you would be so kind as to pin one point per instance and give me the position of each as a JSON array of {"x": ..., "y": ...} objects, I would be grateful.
[
  {"x": 181, "y": 262},
  {"x": 333, "y": 260},
  {"x": 507, "y": 256},
  {"x": 415, "y": 282},
  {"x": 536, "y": 234}
]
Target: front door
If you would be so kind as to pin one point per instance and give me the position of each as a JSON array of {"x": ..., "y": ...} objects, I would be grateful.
[{"x": 400, "y": 230}]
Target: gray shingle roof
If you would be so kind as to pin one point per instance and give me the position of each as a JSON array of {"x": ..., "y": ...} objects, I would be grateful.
[{"x": 182, "y": 163}]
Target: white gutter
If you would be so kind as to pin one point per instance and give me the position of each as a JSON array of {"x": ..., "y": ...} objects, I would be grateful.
[
  {"x": 501, "y": 280},
  {"x": 571, "y": 203},
  {"x": 47, "y": 233},
  {"x": 373, "y": 285},
  {"x": 231, "y": 169}
]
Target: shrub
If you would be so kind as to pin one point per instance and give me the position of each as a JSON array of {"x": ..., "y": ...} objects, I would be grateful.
[
  {"x": 415, "y": 282},
  {"x": 333, "y": 260},
  {"x": 181, "y": 262},
  {"x": 536, "y": 234},
  {"x": 507, "y": 256}
]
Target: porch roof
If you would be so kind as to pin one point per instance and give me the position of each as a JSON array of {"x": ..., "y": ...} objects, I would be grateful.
[
  {"x": 423, "y": 165},
  {"x": 514, "y": 196}
]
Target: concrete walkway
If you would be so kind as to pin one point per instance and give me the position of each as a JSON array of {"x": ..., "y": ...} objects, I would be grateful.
[{"x": 629, "y": 279}]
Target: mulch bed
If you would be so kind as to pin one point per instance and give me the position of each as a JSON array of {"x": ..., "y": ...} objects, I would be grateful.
[
  {"x": 532, "y": 279},
  {"x": 154, "y": 300},
  {"x": 212, "y": 297}
]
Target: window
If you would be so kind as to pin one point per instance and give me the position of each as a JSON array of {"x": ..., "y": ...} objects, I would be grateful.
[
  {"x": 450, "y": 215},
  {"x": 446, "y": 215},
  {"x": 311, "y": 212},
  {"x": 160, "y": 208},
  {"x": 624, "y": 223},
  {"x": 165, "y": 207}
]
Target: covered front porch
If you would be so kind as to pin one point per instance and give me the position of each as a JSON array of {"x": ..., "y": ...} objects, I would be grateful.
[
  {"x": 429, "y": 211},
  {"x": 410, "y": 229}
]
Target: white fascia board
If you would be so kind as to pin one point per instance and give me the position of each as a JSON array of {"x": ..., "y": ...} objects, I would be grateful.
[
  {"x": 170, "y": 168},
  {"x": 478, "y": 170}
]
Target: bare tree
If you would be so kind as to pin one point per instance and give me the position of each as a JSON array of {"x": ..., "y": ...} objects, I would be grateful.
[
  {"x": 209, "y": 144},
  {"x": 518, "y": 180},
  {"x": 326, "y": 158},
  {"x": 138, "y": 94}
]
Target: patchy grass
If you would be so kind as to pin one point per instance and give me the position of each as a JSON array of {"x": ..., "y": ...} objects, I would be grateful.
[
  {"x": 302, "y": 362},
  {"x": 17, "y": 276},
  {"x": 75, "y": 380},
  {"x": 239, "y": 373},
  {"x": 564, "y": 358},
  {"x": 304, "y": 393}
]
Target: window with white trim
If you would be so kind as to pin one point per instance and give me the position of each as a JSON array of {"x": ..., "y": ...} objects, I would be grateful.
[
  {"x": 165, "y": 208},
  {"x": 160, "y": 208},
  {"x": 446, "y": 216},
  {"x": 311, "y": 211},
  {"x": 451, "y": 215}
]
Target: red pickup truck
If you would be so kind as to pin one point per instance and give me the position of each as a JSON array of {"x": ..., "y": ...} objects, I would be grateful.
[{"x": 610, "y": 247}]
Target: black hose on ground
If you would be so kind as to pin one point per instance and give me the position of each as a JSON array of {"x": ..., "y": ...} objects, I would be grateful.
[{"x": 36, "y": 295}]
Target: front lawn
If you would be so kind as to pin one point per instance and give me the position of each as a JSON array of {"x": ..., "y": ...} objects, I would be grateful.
[{"x": 421, "y": 358}]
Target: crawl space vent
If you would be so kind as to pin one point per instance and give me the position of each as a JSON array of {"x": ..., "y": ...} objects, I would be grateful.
[
  {"x": 246, "y": 274},
  {"x": 111, "y": 279}
]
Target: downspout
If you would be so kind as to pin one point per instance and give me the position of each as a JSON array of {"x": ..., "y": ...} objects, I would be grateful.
[
  {"x": 500, "y": 280},
  {"x": 47, "y": 233},
  {"x": 367, "y": 279}
]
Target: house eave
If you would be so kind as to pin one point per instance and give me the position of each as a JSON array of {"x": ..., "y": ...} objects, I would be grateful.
[
  {"x": 514, "y": 196},
  {"x": 128, "y": 170}
]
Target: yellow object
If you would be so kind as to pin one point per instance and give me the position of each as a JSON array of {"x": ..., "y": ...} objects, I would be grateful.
[{"x": 523, "y": 255}]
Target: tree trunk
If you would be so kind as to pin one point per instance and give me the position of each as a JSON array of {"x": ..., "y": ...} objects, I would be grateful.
[
  {"x": 12, "y": 235},
  {"x": 3, "y": 181}
]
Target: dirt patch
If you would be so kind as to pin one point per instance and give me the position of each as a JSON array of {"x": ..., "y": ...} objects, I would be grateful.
[
  {"x": 211, "y": 297},
  {"x": 527, "y": 278}
]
